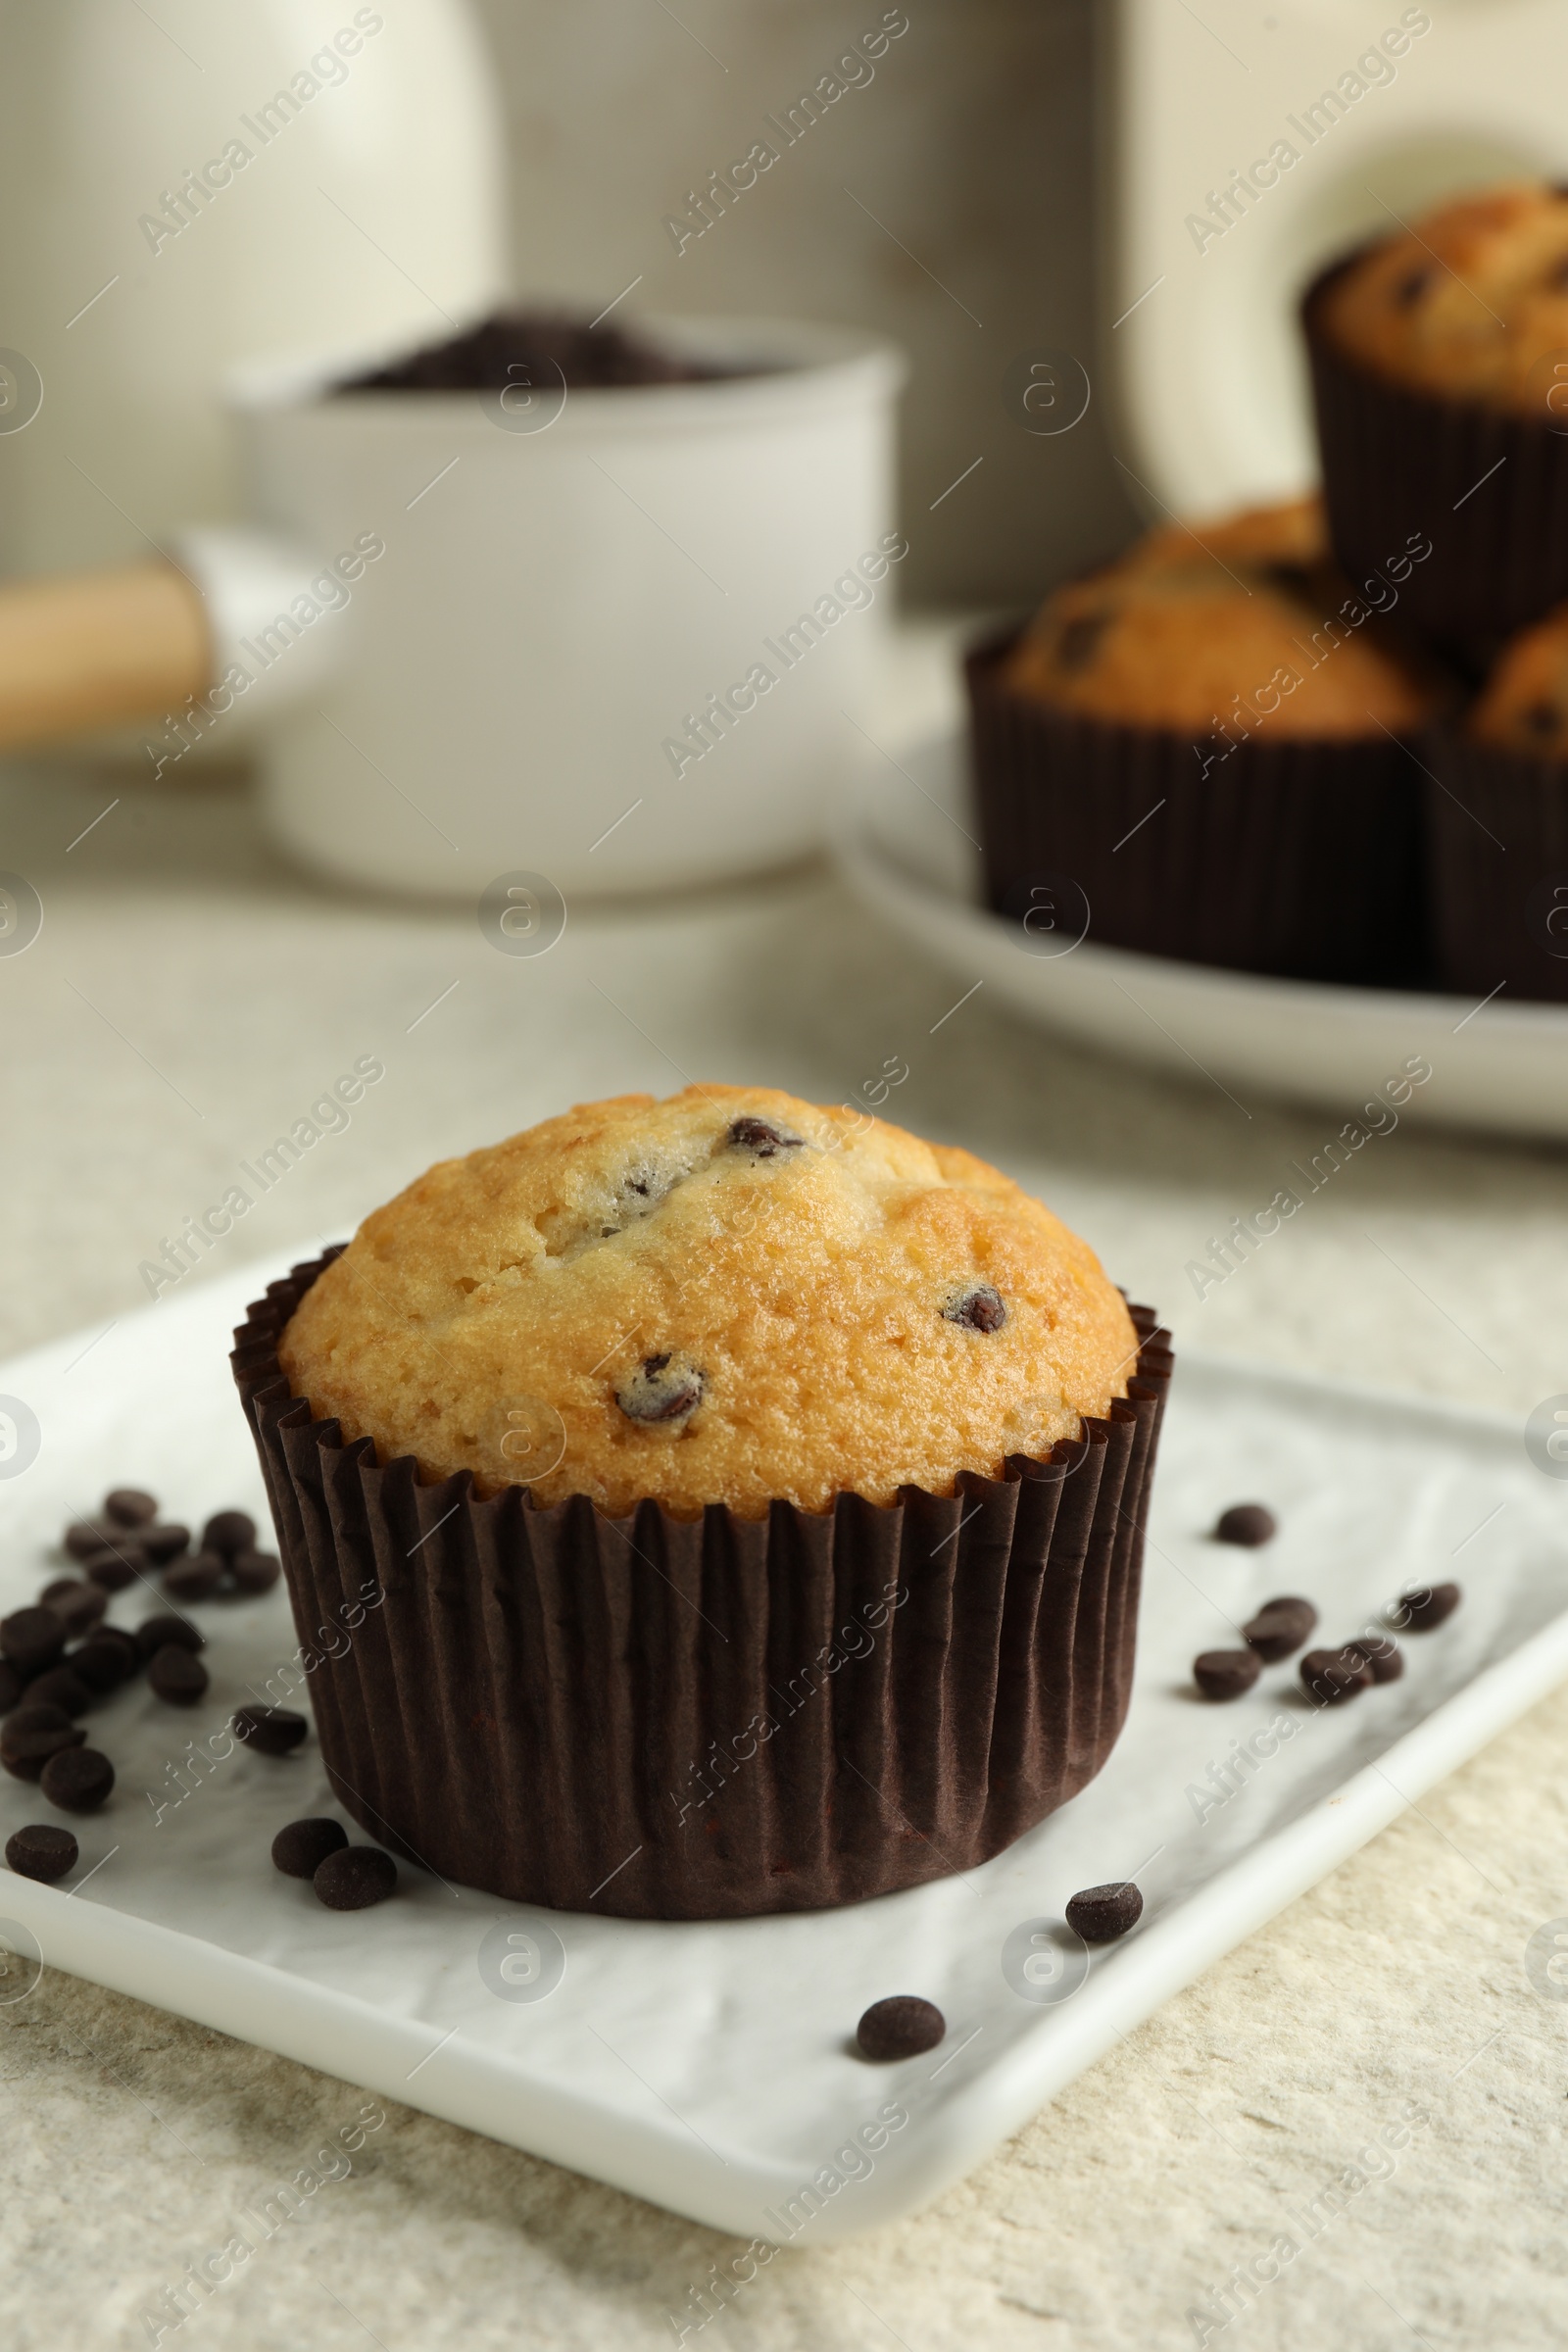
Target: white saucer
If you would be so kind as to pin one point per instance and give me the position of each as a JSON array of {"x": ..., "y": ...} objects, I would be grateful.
[{"x": 904, "y": 844}]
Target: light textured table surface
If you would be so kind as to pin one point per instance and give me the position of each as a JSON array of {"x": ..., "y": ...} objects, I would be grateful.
[{"x": 188, "y": 998}]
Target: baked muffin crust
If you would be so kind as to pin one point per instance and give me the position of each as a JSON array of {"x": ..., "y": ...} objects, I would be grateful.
[
  {"x": 725, "y": 1297},
  {"x": 1191, "y": 620},
  {"x": 1468, "y": 302}
]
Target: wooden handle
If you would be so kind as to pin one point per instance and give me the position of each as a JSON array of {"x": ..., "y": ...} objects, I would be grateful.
[{"x": 88, "y": 649}]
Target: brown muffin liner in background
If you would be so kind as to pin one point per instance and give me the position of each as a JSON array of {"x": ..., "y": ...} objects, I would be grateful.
[
  {"x": 1497, "y": 829},
  {"x": 1299, "y": 859},
  {"x": 1489, "y": 489},
  {"x": 566, "y": 1710}
]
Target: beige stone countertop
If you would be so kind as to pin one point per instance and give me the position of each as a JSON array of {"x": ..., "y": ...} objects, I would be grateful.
[{"x": 188, "y": 998}]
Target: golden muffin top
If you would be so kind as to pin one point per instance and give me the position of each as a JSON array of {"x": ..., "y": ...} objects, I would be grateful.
[
  {"x": 1192, "y": 618},
  {"x": 1524, "y": 704},
  {"x": 725, "y": 1297},
  {"x": 1471, "y": 300}
]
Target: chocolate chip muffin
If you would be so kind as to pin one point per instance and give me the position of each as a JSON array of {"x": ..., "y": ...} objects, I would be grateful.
[
  {"x": 706, "y": 1507},
  {"x": 1198, "y": 752},
  {"x": 728, "y": 1298},
  {"x": 1498, "y": 815},
  {"x": 1468, "y": 302},
  {"x": 1440, "y": 370},
  {"x": 1220, "y": 629}
]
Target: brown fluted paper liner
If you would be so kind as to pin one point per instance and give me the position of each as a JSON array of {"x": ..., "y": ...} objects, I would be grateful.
[
  {"x": 1297, "y": 858},
  {"x": 1489, "y": 489},
  {"x": 665, "y": 1719},
  {"x": 1498, "y": 827}
]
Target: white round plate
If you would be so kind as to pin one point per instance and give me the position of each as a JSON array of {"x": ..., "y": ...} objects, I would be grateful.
[{"x": 905, "y": 842}]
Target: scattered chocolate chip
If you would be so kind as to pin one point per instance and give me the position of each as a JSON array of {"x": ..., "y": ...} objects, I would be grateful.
[
  {"x": 1226, "y": 1673},
  {"x": 83, "y": 1536},
  {"x": 254, "y": 1571},
  {"x": 901, "y": 2027},
  {"x": 77, "y": 1603},
  {"x": 1334, "y": 1675},
  {"x": 157, "y": 1632},
  {"x": 547, "y": 348},
  {"x": 77, "y": 1780},
  {"x": 129, "y": 1506},
  {"x": 1099, "y": 1914},
  {"x": 663, "y": 1387},
  {"x": 31, "y": 1736},
  {"x": 117, "y": 1565},
  {"x": 353, "y": 1877},
  {"x": 32, "y": 1638},
  {"x": 229, "y": 1531},
  {"x": 763, "y": 1138},
  {"x": 177, "y": 1676},
  {"x": 300, "y": 1848},
  {"x": 1385, "y": 1658},
  {"x": 1079, "y": 639},
  {"x": 1248, "y": 1523},
  {"x": 276, "y": 1731},
  {"x": 164, "y": 1543},
  {"x": 1280, "y": 1627},
  {"x": 1428, "y": 1606},
  {"x": 62, "y": 1686},
  {"x": 106, "y": 1660},
  {"x": 41, "y": 1851},
  {"x": 978, "y": 1308},
  {"x": 194, "y": 1578},
  {"x": 11, "y": 1686}
]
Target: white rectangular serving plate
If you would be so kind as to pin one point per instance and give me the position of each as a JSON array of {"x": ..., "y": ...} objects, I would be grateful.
[{"x": 711, "y": 2068}]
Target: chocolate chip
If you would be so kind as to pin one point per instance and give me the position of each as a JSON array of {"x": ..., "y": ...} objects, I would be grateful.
[
  {"x": 1079, "y": 639},
  {"x": 175, "y": 1675},
  {"x": 13, "y": 1685},
  {"x": 1280, "y": 1627},
  {"x": 77, "y": 1780},
  {"x": 83, "y": 1536},
  {"x": 273, "y": 1729},
  {"x": 1099, "y": 1914},
  {"x": 117, "y": 1565},
  {"x": 763, "y": 1138},
  {"x": 901, "y": 2027},
  {"x": 300, "y": 1848},
  {"x": 1246, "y": 1523},
  {"x": 157, "y": 1632},
  {"x": 355, "y": 1877},
  {"x": 978, "y": 1307},
  {"x": 31, "y": 1736},
  {"x": 164, "y": 1543},
  {"x": 229, "y": 1531},
  {"x": 1334, "y": 1675},
  {"x": 1226, "y": 1673},
  {"x": 32, "y": 1638},
  {"x": 1541, "y": 718},
  {"x": 1293, "y": 579},
  {"x": 1385, "y": 1658},
  {"x": 254, "y": 1571},
  {"x": 1410, "y": 288},
  {"x": 663, "y": 1387},
  {"x": 78, "y": 1605},
  {"x": 106, "y": 1660},
  {"x": 62, "y": 1686},
  {"x": 194, "y": 1578},
  {"x": 1418, "y": 1611},
  {"x": 41, "y": 1851},
  {"x": 128, "y": 1506}
]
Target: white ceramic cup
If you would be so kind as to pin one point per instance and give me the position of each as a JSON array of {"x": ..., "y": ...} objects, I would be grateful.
[{"x": 617, "y": 638}]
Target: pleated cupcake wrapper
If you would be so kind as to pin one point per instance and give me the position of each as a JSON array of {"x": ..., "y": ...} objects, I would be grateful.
[
  {"x": 665, "y": 1719},
  {"x": 1302, "y": 859},
  {"x": 1488, "y": 490},
  {"x": 1497, "y": 823}
]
